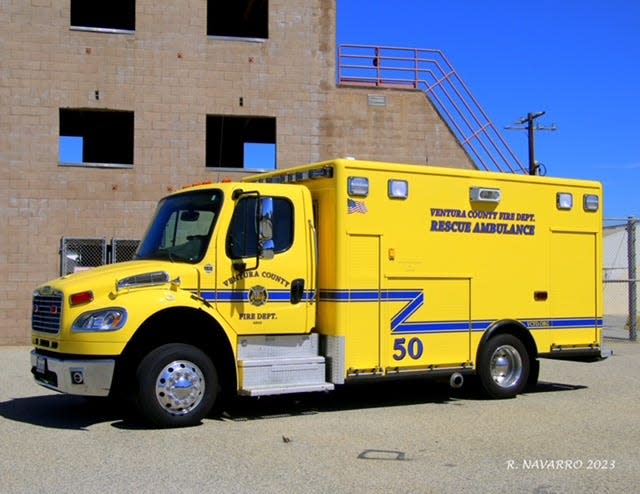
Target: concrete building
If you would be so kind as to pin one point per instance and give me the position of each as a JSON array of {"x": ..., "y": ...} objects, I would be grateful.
[{"x": 105, "y": 111}]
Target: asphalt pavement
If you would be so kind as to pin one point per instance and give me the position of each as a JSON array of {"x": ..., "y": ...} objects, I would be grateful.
[{"x": 576, "y": 432}]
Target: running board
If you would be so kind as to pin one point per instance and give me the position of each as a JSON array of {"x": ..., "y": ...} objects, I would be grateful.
[{"x": 275, "y": 390}]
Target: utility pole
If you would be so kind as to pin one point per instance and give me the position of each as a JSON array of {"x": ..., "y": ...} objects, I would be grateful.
[{"x": 531, "y": 128}]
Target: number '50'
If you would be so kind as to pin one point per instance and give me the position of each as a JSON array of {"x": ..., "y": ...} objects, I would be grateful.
[{"x": 413, "y": 348}]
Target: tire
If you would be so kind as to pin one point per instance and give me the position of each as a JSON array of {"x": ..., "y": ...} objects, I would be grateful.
[
  {"x": 177, "y": 385},
  {"x": 534, "y": 374},
  {"x": 503, "y": 366}
]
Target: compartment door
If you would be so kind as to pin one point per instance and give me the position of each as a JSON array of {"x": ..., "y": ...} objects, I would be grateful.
[
  {"x": 427, "y": 323},
  {"x": 361, "y": 318}
]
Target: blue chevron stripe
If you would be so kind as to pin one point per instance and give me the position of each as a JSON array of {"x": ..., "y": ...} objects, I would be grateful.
[
  {"x": 415, "y": 299},
  {"x": 406, "y": 312}
]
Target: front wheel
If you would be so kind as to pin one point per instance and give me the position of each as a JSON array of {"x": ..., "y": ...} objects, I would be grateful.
[
  {"x": 534, "y": 374},
  {"x": 177, "y": 385},
  {"x": 503, "y": 366}
]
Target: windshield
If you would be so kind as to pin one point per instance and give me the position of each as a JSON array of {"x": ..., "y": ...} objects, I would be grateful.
[{"x": 182, "y": 227}]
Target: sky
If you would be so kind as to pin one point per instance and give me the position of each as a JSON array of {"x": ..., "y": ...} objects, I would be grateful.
[{"x": 578, "y": 61}]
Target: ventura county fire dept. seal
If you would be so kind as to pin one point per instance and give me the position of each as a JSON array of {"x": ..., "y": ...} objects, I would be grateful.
[{"x": 258, "y": 295}]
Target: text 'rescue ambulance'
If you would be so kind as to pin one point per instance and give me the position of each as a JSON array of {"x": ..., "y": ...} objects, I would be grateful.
[{"x": 303, "y": 279}]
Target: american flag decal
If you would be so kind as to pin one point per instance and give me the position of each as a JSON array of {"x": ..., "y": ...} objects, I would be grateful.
[{"x": 356, "y": 207}]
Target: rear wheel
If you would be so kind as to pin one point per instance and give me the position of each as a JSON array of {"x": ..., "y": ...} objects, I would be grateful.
[
  {"x": 177, "y": 385},
  {"x": 503, "y": 366}
]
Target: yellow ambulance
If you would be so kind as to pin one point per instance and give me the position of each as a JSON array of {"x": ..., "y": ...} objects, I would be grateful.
[{"x": 303, "y": 279}]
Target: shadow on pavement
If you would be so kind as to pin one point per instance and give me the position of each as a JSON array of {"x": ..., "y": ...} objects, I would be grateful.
[
  {"x": 368, "y": 396},
  {"x": 60, "y": 411},
  {"x": 79, "y": 413},
  {"x": 348, "y": 397},
  {"x": 547, "y": 387}
]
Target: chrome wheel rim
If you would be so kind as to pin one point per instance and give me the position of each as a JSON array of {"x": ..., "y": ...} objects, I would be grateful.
[
  {"x": 180, "y": 387},
  {"x": 506, "y": 366}
]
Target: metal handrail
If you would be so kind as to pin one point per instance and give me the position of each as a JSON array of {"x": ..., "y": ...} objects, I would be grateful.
[{"x": 430, "y": 71}]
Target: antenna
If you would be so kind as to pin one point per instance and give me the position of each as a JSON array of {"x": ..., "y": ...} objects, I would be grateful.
[{"x": 528, "y": 123}]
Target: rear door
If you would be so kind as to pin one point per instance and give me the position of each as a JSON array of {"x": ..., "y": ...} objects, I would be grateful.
[{"x": 574, "y": 289}]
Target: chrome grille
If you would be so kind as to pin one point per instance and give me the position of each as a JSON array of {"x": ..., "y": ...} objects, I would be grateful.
[{"x": 46, "y": 313}]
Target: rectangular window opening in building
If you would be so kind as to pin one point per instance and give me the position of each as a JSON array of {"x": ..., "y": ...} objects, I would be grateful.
[
  {"x": 96, "y": 137},
  {"x": 238, "y": 18},
  {"x": 119, "y": 15},
  {"x": 241, "y": 142}
]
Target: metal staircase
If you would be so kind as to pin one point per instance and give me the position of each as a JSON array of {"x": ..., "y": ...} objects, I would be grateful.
[{"x": 429, "y": 71}]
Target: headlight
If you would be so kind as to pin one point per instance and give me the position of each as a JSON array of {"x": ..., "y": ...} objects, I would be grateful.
[{"x": 101, "y": 320}]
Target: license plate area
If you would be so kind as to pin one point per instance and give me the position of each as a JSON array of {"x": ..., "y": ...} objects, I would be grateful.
[
  {"x": 41, "y": 365},
  {"x": 43, "y": 374}
]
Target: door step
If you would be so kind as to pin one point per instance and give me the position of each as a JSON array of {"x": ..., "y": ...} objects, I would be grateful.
[
  {"x": 272, "y": 376},
  {"x": 280, "y": 364}
]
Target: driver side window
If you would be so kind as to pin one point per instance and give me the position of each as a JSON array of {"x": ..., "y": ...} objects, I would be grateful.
[{"x": 242, "y": 239}]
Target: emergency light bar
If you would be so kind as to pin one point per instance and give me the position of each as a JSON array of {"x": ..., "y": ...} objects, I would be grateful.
[{"x": 289, "y": 178}]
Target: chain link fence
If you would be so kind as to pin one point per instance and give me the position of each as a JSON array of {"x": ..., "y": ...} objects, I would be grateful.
[
  {"x": 123, "y": 249},
  {"x": 621, "y": 255},
  {"x": 80, "y": 254}
]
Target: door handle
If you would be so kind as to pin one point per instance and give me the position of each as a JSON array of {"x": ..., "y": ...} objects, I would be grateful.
[{"x": 297, "y": 290}]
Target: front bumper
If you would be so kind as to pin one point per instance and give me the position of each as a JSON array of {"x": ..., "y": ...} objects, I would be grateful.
[{"x": 73, "y": 376}]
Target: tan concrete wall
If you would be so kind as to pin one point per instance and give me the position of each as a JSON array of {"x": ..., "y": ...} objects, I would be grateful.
[
  {"x": 171, "y": 75},
  {"x": 406, "y": 129}
]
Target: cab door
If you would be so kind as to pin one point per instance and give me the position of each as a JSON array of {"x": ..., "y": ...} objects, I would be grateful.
[{"x": 264, "y": 269}]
